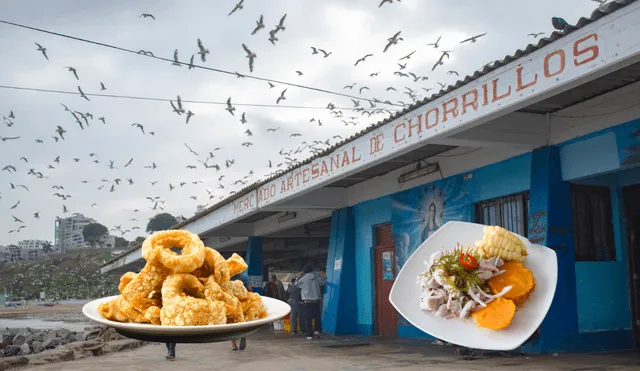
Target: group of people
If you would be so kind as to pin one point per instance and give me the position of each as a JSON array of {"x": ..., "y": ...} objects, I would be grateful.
[{"x": 304, "y": 295}]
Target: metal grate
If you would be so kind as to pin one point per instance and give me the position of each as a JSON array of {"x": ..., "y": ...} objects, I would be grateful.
[
  {"x": 592, "y": 223},
  {"x": 509, "y": 212}
]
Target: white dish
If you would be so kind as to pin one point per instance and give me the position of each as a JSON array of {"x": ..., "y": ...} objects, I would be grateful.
[
  {"x": 276, "y": 310},
  {"x": 405, "y": 293}
]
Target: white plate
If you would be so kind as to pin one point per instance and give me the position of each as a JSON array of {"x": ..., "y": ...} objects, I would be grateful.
[
  {"x": 405, "y": 293},
  {"x": 276, "y": 310}
]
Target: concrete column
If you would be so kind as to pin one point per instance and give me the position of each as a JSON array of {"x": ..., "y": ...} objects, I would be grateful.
[
  {"x": 254, "y": 261},
  {"x": 339, "y": 306},
  {"x": 551, "y": 224}
]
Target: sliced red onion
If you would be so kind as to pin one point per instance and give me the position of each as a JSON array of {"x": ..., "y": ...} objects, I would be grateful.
[
  {"x": 475, "y": 297},
  {"x": 504, "y": 291}
]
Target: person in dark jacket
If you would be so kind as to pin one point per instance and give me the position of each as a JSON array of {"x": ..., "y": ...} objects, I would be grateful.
[
  {"x": 310, "y": 289},
  {"x": 295, "y": 301}
]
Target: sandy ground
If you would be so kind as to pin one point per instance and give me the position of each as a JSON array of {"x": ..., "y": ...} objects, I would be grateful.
[
  {"x": 285, "y": 352},
  {"x": 39, "y": 311}
]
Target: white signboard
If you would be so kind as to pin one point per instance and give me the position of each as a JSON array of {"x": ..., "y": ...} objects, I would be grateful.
[
  {"x": 255, "y": 281},
  {"x": 548, "y": 71},
  {"x": 337, "y": 264}
]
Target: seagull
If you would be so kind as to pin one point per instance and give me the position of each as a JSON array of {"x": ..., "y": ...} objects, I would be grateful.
[
  {"x": 299, "y": 73},
  {"x": 251, "y": 55},
  {"x": 191, "y": 65},
  {"x": 363, "y": 59},
  {"x": 237, "y": 7},
  {"x": 393, "y": 40},
  {"x": 325, "y": 53},
  {"x": 75, "y": 73},
  {"x": 60, "y": 130},
  {"x": 176, "y": 109},
  {"x": 280, "y": 25},
  {"x": 82, "y": 93},
  {"x": 535, "y": 34},
  {"x": 102, "y": 119},
  {"x": 230, "y": 108},
  {"x": 147, "y": 15},
  {"x": 36, "y": 215},
  {"x": 189, "y": 114},
  {"x": 440, "y": 62},
  {"x": 272, "y": 37},
  {"x": 43, "y": 50},
  {"x": 191, "y": 150},
  {"x": 139, "y": 126},
  {"x": 4, "y": 139},
  {"x": 259, "y": 25},
  {"x": 14, "y": 206},
  {"x": 248, "y": 132},
  {"x": 271, "y": 86},
  {"x": 281, "y": 97},
  {"x": 102, "y": 87},
  {"x": 203, "y": 52},
  {"x": 350, "y": 86},
  {"x": 435, "y": 44},
  {"x": 176, "y": 62},
  {"x": 243, "y": 119},
  {"x": 452, "y": 72},
  {"x": 473, "y": 39},
  {"x": 386, "y": 1},
  {"x": 129, "y": 162},
  {"x": 363, "y": 88},
  {"x": 408, "y": 56},
  {"x": 64, "y": 209},
  {"x": 402, "y": 66}
]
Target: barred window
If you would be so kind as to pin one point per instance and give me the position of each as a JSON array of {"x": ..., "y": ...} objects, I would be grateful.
[
  {"x": 592, "y": 223},
  {"x": 510, "y": 212}
]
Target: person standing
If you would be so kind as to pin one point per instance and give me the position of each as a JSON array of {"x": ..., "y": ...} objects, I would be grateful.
[
  {"x": 309, "y": 285},
  {"x": 171, "y": 351},
  {"x": 245, "y": 280},
  {"x": 295, "y": 301},
  {"x": 271, "y": 288},
  {"x": 280, "y": 288}
]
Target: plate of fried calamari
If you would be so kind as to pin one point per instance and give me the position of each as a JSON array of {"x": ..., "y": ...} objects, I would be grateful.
[
  {"x": 481, "y": 287},
  {"x": 185, "y": 297}
]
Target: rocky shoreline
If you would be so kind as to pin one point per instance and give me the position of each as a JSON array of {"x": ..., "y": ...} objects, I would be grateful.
[{"x": 27, "y": 346}]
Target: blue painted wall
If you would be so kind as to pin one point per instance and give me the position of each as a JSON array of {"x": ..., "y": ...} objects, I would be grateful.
[
  {"x": 367, "y": 215},
  {"x": 339, "y": 304},
  {"x": 500, "y": 179}
]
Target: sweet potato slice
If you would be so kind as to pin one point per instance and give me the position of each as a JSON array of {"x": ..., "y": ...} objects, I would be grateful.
[
  {"x": 497, "y": 315},
  {"x": 518, "y": 277}
]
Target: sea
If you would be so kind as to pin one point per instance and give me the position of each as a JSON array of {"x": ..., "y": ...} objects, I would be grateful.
[{"x": 50, "y": 321}]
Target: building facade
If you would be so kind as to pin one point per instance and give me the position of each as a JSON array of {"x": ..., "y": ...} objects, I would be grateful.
[
  {"x": 545, "y": 142},
  {"x": 68, "y": 232},
  {"x": 32, "y": 244}
]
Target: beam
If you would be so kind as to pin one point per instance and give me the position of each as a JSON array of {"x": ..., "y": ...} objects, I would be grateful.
[
  {"x": 220, "y": 243},
  {"x": 270, "y": 225},
  {"x": 328, "y": 198},
  {"x": 122, "y": 261},
  {"x": 240, "y": 229}
]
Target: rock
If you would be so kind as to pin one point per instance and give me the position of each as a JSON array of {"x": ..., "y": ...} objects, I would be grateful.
[
  {"x": 24, "y": 349},
  {"x": 6, "y": 337},
  {"x": 4, "y": 366},
  {"x": 19, "y": 339},
  {"x": 69, "y": 337},
  {"x": 36, "y": 336},
  {"x": 11, "y": 350},
  {"x": 61, "y": 332},
  {"x": 50, "y": 342},
  {"x": 36, "y": 346}
]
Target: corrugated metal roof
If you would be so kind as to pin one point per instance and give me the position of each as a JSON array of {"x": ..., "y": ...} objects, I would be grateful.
[{"x": 597, "y": 14}]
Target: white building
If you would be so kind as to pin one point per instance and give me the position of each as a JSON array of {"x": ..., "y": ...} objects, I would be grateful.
[
  {"x": 10, "y": 253},
  {"x": 68, "y": 232},
  {"x": 32, "y": 244},
  {"x": 107, "y": 241}
]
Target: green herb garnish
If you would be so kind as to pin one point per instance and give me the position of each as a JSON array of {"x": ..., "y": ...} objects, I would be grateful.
[{"x": 459, "y": 279}]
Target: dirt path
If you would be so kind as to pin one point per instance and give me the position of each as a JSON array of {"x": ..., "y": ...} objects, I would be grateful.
[{"x": 36, "y": 310}]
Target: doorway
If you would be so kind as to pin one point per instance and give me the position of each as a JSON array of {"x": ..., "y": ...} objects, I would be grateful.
[
  {"x": 631, "y": 196},
  {"x": 385, "y": 275}
]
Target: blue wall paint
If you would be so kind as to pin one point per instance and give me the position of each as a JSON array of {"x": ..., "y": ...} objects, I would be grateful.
[
  {"x": 254, "y": 260},
  {"x": 339, "y": 306},
  {"x": 500, "y": 179},
  {"x": 590, "y": 156},
  {"x": 367, "y": 215}
]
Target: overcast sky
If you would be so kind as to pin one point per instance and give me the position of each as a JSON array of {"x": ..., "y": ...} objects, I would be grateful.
[{"x": 348, "y": 29}]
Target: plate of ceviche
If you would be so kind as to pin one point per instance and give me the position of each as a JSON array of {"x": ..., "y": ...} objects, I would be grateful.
[{"x": 477, "y": 286}]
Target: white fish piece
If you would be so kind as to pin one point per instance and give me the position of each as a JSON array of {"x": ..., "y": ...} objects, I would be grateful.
[
  {"x": 442, "y": 311},
  {"x": 468, "y": 307}
]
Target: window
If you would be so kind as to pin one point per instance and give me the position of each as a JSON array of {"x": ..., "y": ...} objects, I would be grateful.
[
  {"x": 509, "y": 212},
  {"x": 592, "y": 223}
]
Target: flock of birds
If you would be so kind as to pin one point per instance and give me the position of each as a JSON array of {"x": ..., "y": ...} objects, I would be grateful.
[{"x": 204, "y": 162}]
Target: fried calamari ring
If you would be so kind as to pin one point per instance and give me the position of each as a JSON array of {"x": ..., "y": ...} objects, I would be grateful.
[
  {"x": 184, "y": 304},
  {"x": 140, "y": 291},
  {"x": 236, "y": 265},
  {"x": 129, "y": 311},
  {"x": 253, "y": 307},
  {"x": 125, "y": 279},
  {"x": 214, "y": 264},
  {"x": 152, "y": 314},
  {"x": 158, "y": 246},
  {"x": 233, "y": 309}
]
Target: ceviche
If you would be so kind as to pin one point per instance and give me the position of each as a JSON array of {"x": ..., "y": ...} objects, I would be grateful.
[{"x": 487, "y": 281}]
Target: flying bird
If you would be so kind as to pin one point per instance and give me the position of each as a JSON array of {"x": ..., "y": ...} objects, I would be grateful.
[
  {"x": 129, "y": 162},
  {"x": 140, "y": 126},
  {"x": 238, "y": 6},
  {"x": 4, "y": 139},
  {"x": 393, "y": 40},
  {"x": 203, "y": 51},
  {"x": 363, "y": 59},
  {"x": 36, "y": 215},
  {"x": 535, "y": 34},
  {"x": 152, "y": 166},
  {"x": 147, "y": 15},
  {"x": 191, "y": 150},
  {"x": 189, "y": 114},
  {"x": 408, "y": 56},
  {"x": 14, "y": 206},
  {"x": 191, "y": 65},
  {"x": 259, "y": 25},
  {"x": 243, "y": 119},
  {"x": 230, "y": 108},
  {"x": 440, "y": 61},
  {"x": 9, "y": 168},
  {"x": 271, "y": 86},
  {"x": 74, "y": 71},
  {"x": 280, "y": 26},
  {"x": 102, "y": 87},
  {"x": 103, "y": 120},
  {"x": 82, "y": 93},
  {"x": 273, "y": 129},
  {"x": 281, "y": 97},
  {"x": 363, "y": 88},
  {"x": 60, "y": 130},
  {"x": 435, "y": 44},
  {"x": 251, "y": 55},
  {"x": 272, "y": 37},
  {"x": 452, "y": 72},
  {"x": 325, "y": 53},
  {"x": 295, "y": 135},
  {"x": 473, "y": 39},
  {"x": 299, "y": 73},
  {"x": 43, "y": 50}
]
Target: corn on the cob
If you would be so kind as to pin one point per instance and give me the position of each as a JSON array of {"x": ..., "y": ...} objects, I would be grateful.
[{"x": 500, "y": 242}]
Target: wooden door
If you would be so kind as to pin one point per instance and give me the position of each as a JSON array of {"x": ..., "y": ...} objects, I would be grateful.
[{"x": 385, "y": 275}]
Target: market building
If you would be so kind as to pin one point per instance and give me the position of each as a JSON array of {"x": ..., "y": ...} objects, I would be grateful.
[{"x": 545, "y": 142}]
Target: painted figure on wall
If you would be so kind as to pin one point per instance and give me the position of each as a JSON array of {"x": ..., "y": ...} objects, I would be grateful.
[{"x": 432, "y": 214}]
